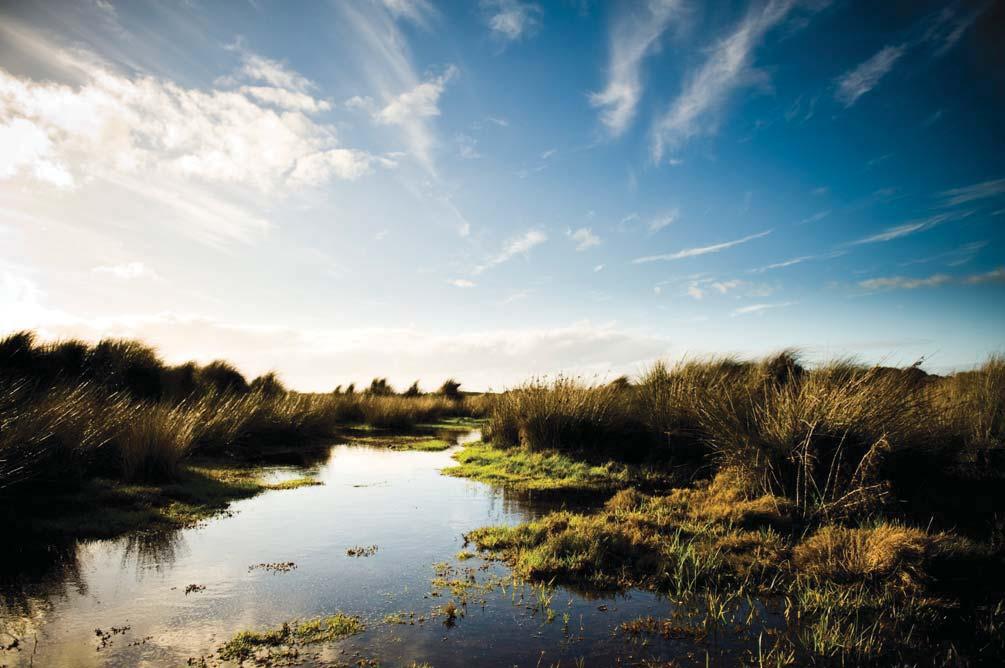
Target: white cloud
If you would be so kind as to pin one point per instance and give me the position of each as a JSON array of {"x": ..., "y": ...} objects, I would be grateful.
[
  {"x": 727, "y": 68},
  {"x": 113, "y": 123},
  {"x": 977, "y": 191},
  {"x": 348, "y": 164},
  {"x": 419, "y": 102},
  {"x": 286, "y": 99},
  {"x": 701, "y": 250},
  {"x": 760, "y": 308},
  {"x": 462, "y": 283},
  {"x": 126, "y": 271},
  {"x": 854, "y": 84},
  {"x": 26, "y": 146},
  {"x": 517, "y": 246},
  {"x": 258, "y": 68},
  {"x": 204, "y": 154},
  {"x": 598, "y": 268},
  {"x": 512, "y": 20},
  {"x": 549, "y": 153},
  {"x": 634, "y": 35},
  {"x": 501, "y": 122},
  {"x": 584, "y": 238}
]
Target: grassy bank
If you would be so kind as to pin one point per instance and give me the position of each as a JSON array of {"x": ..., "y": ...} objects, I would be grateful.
[
  {"x": 105, "y": 508},
  {"x": 552, "y": 472},
  {"x": 858, "y": 503}
]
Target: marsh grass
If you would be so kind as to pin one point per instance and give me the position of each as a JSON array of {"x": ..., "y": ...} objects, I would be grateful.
[
  {"x": 71, "y": 412},
  {"x": 836, "y": 441}
]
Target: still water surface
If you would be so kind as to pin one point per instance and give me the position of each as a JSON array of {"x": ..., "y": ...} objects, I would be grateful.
[{"x": 371, "y": 496}]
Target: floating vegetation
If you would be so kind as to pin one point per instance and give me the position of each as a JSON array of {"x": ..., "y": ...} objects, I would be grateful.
[
  {"x": 274, "y": 567},
  {"x": 667, "y": 628},
  {"x": 361, "y": 551},
  {"x": 194, "y": 589},
  {"x": 105, "y": 637},
  {"x": 409, "y": 618},
  {"x": 285, "y": 639},
  {"x": 294, "y": 483}
]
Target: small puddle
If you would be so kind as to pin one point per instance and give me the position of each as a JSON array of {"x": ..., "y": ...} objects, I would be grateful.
[{"x": 138, "y": 589}]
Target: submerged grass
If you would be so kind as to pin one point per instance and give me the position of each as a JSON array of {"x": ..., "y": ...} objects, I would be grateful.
[{"x": 876, "y": 593}]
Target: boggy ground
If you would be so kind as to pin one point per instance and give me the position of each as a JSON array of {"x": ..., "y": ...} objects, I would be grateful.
[{"x": 856, "y": 502}]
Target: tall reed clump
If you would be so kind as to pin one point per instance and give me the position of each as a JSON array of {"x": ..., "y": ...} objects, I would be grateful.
[
  {"x": 822, "y": 440},
  {"x": 154, "y": 440},
  {"x": 55, "y": 437},
  {"x": 974, "y": 402},
  {"x": 567, "y": 414}
]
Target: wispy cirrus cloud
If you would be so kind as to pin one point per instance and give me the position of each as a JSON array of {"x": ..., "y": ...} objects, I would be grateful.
[
  {"x": 818, "y": 216},
  {"x": 910, "y": 227},
  {"x": 935, "y": 280},
  {"x": 977, "y": 191},
  {"x": 517, "y": 246},
  {"x": 952, "y": 258},
  {"x": 659, "y": 222},
  {"x": 760, "y": 308},
  {"x": 462, "y": 283},
  {"x": 635, "y": 34},
  {"x": 701, "y": 250},
  {"x": 417, "y": 11},
  {"x": 863, "y": 78},
  {"x": 728, "y": 68},
  {"x": 512, "y": 20},
  {"x": 949, "y": 27},
  {"x": 396, "y": 95},
  {"x": 797, "y": 260}
]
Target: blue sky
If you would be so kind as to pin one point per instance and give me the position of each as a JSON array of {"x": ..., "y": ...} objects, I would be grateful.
[{"x": 498, "y": 189}]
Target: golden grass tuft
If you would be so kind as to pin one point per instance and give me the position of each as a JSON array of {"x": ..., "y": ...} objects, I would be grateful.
[{"x": 889, "y": 552}]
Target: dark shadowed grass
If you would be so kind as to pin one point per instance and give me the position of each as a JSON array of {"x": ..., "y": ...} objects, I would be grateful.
[{"x": 102, "y": 507}]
